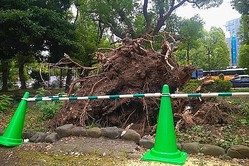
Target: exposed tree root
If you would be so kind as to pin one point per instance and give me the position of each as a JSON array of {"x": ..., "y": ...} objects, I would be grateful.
[{"x": 135, "y": 67}]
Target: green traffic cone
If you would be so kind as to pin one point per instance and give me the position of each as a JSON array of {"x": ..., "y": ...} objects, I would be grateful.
[
  {"x": 165, "y": 147},
  {"x": 13, "y": 133}
]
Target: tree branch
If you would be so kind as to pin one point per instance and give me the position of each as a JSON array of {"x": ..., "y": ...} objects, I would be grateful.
[
  {"x": 161, "y": 10},
  {"x": 161, "y": 20},
  {"x": 126, "y": 21},
  {"x": 146, "y": 16}
]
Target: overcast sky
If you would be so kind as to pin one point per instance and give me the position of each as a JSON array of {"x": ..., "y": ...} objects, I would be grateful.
[{"x": 212, "y": 17}]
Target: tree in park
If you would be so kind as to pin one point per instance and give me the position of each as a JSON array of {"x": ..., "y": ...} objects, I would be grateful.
[
  {"x": 123, "y": 17},
  {"x": 243, "y": 59},
  {"x": 243, "y": 33},
  {"x": 242, "y": 6},
  {"x": 212, "y": 52},
  {"x": 29, "y": 27},
  {"x": 137, "y": 66},
  {"x": 190, "y": 31},
  {"x": 219, "y": 55}
]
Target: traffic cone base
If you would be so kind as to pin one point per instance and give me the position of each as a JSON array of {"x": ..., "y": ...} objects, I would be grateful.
[
  {"x": 172, "y": 158},
  {"x": 10, "y": 141}
]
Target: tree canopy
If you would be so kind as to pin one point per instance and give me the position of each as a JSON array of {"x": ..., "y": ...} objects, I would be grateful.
[
  {"x": 243, "y": 33},
  {"x": 190, "y": 30},
  {"x": 241, "y": 6},
  {"x": 212, "y": 51},
  {"x": 29, "y": 27},
  {"x": 123, "y": 16},
  {"x": 243, "y": 59}
]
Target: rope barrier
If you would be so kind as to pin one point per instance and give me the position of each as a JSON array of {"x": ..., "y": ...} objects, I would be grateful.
[
  {"x": 223, "y": 94},
  {"x": 57, "y": 98}
]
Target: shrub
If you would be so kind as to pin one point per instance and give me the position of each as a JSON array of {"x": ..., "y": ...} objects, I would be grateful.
[
  {"x": 191, "y": 86},
  {"x": 5, "y": 103},
  {"x": 222, "y": 85},
  {"x": 243, "y": 109},
  {"x": 218, "y": 86},
  {"x": 40, "y": 92},
  {"x": 48, "y": 108}
]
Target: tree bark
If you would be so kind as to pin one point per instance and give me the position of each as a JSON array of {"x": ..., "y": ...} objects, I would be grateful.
[
  {"x": 163, "y": 15},
  {"x": 61, "y": 79},
  {"x": 146, "y": 16},
  {"x": 21, "y": 63},
  {"x": 5, "y": 74},
  {"x": 68, "y": 79},
  {"x": 188, "y": 50},
  {"x": 21, "y": 76}
]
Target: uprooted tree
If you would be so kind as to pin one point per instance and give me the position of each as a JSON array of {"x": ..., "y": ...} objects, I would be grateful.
[{"x": 134, "y": 67}]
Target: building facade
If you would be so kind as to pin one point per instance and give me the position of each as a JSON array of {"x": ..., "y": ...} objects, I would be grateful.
[{"x": 232, "y": 26}]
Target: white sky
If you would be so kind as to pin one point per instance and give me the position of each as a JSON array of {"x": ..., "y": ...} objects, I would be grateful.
[{"x": 216, "y": 17}]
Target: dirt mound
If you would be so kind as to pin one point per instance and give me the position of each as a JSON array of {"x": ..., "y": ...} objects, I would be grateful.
[
  {"x": 135, "y": 67},
  {"x": 199, "y": 111}
]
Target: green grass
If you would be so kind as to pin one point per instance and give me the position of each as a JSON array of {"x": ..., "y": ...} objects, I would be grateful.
[
  {"x": 34, "y": 117},
  {"x": 221, "y": 135},
  {"x": 33, "y": 120},
  {"x": 240, "y": 89}
]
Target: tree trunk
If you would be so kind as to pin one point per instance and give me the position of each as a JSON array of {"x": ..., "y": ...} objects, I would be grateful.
[
  {"x": 21, "y": 75},
  {"x": 188, "y": 50},
  {"x": 159, "y": 25},
  {"x": 21, "y": 62},
  {"x": 61, "y": 80},
  {"x": 69, "y": 79},
  {"x": 5, "y": 74}
]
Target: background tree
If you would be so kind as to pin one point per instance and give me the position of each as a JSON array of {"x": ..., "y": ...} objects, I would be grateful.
[
  {"x": 220, "y": 52},
  {"x": 242, "y": 6},
  {"x": 173, "y": 24},
  {"x": 212, "y": 51},
  {"x": 243, "y": 59},
  {"x": 190, "y": 31},
  {"x": 29, "y": 27},
  {"x": 199, "y": 57},
  {"x": 122, "y": 17},
  {"x": 243, "y": 33}
]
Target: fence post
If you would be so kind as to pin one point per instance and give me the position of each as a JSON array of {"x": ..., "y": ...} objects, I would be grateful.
[
  {"x": 165, "y": 147},
  {"x": 13, "y": 133}
]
